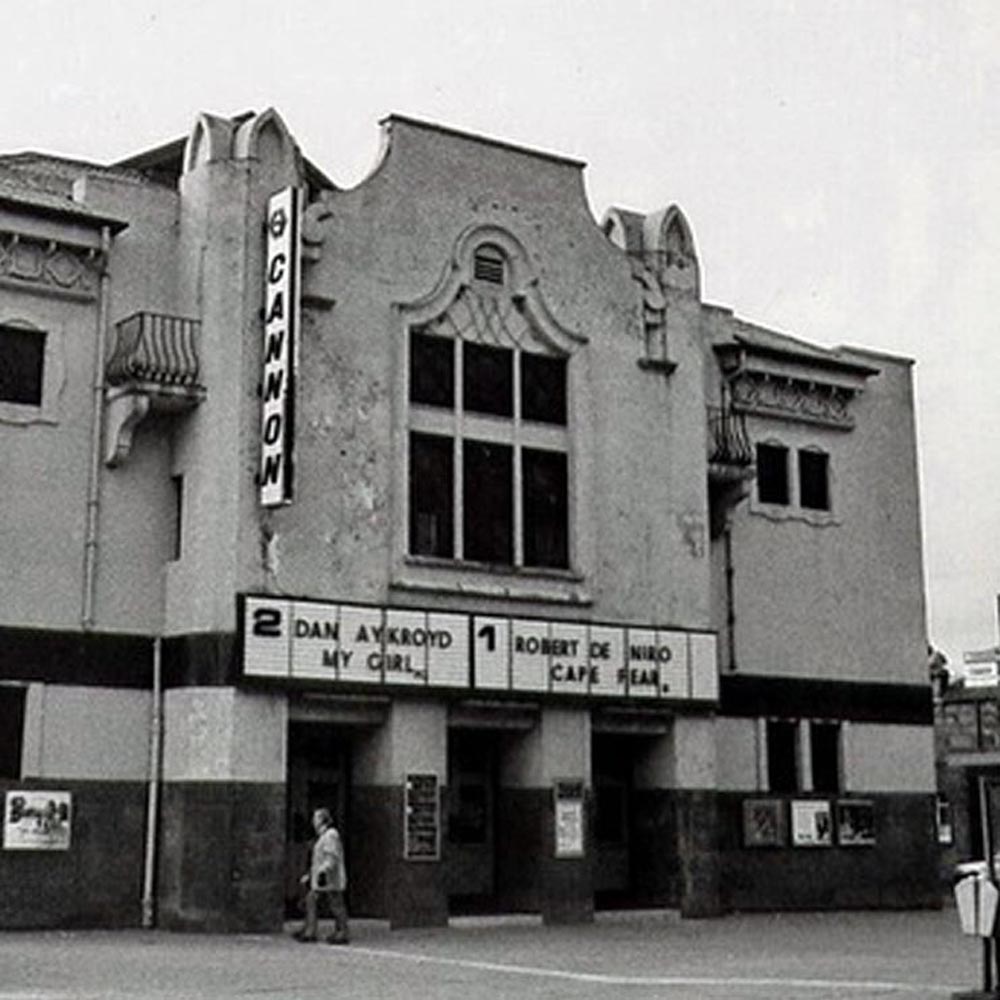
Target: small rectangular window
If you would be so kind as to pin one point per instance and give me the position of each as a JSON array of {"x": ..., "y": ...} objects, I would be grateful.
[
  {"x": 543, "y": 389},
  {"x": 488, "y": 495},
  {"x": 814, "y": 480},
  {"x": 782, "y": 756},
  {"x": 22, "y": 354},
  {"x": 177, "y": 486},
  {"x": 488, "y": 379},
  {"x": 432, "y": 370},
  {"x": 546, "y": 508},
  {"x": 824, "y": 739},
  {"x": 432, "y": 502},
  {"x": 772, "y": 473},
  {"x": 11, "y": 730}
]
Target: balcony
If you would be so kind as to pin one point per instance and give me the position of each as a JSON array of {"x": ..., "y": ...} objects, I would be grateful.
[
  {"x": 729, "y": 450},
  {"x": 153, "y": 367},
  {"x": 730, "y": 464}
]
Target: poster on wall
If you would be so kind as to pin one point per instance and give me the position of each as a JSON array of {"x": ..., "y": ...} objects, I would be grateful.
[
  {"x": 855, "y": 822},
  {"x": 568, "y": 796},
  {"x": 422, "y": 822},
  {"x": 764, "y": 823},
  {"x": 812, "y": 824},
  {"x": 37, "y": 821}
]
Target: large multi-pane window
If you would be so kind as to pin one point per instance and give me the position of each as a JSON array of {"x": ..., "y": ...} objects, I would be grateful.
[{"x": 488, "y": 453}]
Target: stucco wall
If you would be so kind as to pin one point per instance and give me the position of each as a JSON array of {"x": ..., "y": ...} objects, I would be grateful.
[
  {"x": 86, "y": 733},
  {"x": 844, "y": 595},
  {"x": 889, "y": 758},
  {"x": 221, "y": 734},
  {"x": 637, "y": 440}
]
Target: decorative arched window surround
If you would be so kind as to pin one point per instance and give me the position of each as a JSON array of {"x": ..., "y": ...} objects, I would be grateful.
[{"x": 463, "y": 451}]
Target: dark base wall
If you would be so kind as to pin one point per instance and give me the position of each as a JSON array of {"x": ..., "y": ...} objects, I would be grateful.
[
  {"x": 415, "y": 893},
  {"x": 380, "y": 882},
  {"x": 899, "y": 871},
  {"x": 98, "y": 881},
  {"x": 222, "y": 857},
  {"x": 529, "y": 876}
]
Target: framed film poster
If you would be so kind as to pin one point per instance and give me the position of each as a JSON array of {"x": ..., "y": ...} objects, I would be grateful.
[
  {"x": 812, "y": 823},
  {"x": 422, "y": 820},
  {"x": 37, "y": 821},
  {"x": 855, "y": 822},
  {"x": 764, "y": 823}
]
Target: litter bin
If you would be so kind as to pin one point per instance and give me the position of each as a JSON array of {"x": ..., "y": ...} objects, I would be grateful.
[{"x": 976, "y": 897}]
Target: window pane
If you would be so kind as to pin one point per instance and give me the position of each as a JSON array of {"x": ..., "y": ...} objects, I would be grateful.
[
  {"x": 431, "y": 496},
  {"x": 177, "y": 484},
  {"x": 21, "y": 354},
  {"x": 814, "y": 483},
  {"x": 546, "y": 534},
  {"x": 488, "y": 379},
  {"x": 432, "y": 370},
  {"x": 11, "y": 731},
  {"x": 782, "y": 772},
  {"x": 543, "y": 388},
  {"x": 825, "y": 742},
  {"x": 772, "y": 473},
  {"x": 488, "y": 498}
]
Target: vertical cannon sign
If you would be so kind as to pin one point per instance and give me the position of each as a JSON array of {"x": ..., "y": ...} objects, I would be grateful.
[{"x": 281, "y": 329}]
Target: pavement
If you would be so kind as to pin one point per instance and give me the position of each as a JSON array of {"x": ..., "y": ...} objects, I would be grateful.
[{"x": 639, "y": 956}]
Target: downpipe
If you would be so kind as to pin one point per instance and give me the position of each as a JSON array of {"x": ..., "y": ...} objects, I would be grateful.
[
  {"x": 153, "y": 789},
  {"x": 94, "y": 475}
]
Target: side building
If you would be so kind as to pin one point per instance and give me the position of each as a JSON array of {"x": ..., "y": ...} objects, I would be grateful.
[{"x": 435, "y": 502}]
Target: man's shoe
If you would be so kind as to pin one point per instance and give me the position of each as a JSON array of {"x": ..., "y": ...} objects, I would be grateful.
[
  {"x": 338, "y": 939},
  {"x": 302, "y": 936}
]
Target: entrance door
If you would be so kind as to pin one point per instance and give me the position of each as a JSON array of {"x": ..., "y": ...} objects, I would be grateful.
[
  {"x": 318, "y": 769},
  {"x": 612, "y": 766},
  {"x": 472, "y": 795}
]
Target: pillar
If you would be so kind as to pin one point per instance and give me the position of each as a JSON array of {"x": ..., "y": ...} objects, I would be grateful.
[
  {"x": 222, "y": 832},
  {"x": 530, "y": 876},
  {"x": 384, "y": 882}
]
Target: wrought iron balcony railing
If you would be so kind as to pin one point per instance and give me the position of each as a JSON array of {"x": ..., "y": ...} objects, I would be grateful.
[
  {"x": 154, "y": 348},
  {"x": 728, "y": 442},
  {"x": 153, "y": 367}
]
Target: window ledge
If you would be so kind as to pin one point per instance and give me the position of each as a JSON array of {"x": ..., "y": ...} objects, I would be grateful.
[
  {"x": 783, "y": 512},
  {"x": 662, "y": 365},
  {"x": 429, "y": 575}
]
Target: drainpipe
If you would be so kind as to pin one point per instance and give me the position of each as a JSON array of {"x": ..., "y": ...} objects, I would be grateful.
[
  {"x": 153, "y": 789},
  {"x": 94, "y": 479},
  {"x": 727, "y": 544}
]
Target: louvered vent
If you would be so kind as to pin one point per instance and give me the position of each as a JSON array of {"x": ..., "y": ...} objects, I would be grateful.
[{"x": 488, "y": 265}]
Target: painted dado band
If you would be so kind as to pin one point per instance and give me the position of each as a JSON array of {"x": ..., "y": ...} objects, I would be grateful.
[{"x": 369, "y": 644}]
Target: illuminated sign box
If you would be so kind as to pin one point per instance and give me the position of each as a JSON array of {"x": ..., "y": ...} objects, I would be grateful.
[
  {"x": 305, "y": 640},
  {"x": 281, "y": 323}
]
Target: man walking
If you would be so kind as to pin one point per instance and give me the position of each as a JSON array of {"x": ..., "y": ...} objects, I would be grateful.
[{"x": 327, "y": 880}]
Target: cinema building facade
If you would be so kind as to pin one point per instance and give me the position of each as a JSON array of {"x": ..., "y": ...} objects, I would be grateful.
[{"x": 436, "y": 502}]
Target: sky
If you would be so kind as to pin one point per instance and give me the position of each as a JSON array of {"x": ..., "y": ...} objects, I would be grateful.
[{"x": 838, "y": 160}]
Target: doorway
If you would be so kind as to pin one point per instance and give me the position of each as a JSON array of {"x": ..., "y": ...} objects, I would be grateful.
[
  {"x": 473, "y": 757},
  {"x": 318, "y": 777}
]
